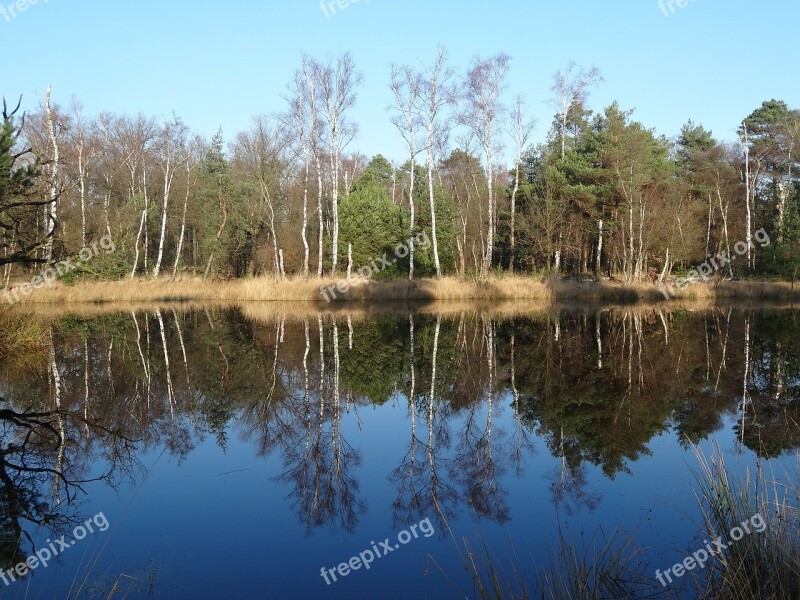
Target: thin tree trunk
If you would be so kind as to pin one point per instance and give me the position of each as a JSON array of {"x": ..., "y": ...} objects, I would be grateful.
[
  {"x": 179, "y": 249},
  {"x": 334, "y": 160},
  {"x": 783, "y": 196},
  {"x": 82, "y": 187},
  {"x": 490, "y": 236},
  {"x": 311, "y": 86},
  {"x": 559, "y": 246},
  {"x": 436, "y": 263},
  {"x": 412, "y": 217},
  {"x": 724, "y": 212},
  {"x": 305, "y": 218},
  {"x": 168, "y": 173},
  {"x": 146, "y": 212},
  {"x": 224, "y": 207},
  {"x": 666, "y": 269},
  {"x": 463, "y": 245},
  {"x": 629, "y": 260},
  {"x": 107, "y": 205},
  {"x": 176, "y": 320},
  {"x": 57, "y": 388},
  {"x": 513, "y": 238},
  {"x": 273, "y": 233},
  {"x": 708, "y": 227},
  {"x": 138, "y": 236},
  {"x": 745, "y": 377},
  {"x": 170, "y": 392},
  {"x": 599, "y": 256},
  {"x": 748, "y": 192},
  {"x": 640, "y": 258},
  {"x": 86, "y": 384},
  {"x": 145, "y": 366},
  {"x": 321, "y": 242},
  {"x": 53, "y": 194}
]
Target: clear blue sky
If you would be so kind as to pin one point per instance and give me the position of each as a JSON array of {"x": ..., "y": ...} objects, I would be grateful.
[{"x": 219, "y": 63}]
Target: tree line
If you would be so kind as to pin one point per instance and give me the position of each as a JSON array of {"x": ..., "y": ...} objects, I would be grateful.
[{"x": 602, "y": 196}]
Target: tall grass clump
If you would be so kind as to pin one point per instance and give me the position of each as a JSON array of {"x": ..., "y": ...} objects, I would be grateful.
[
  {"x": 604, "y": 567},
  {"x": 20, "y": 332},
  {"x": 601, "y": 568},
  {"x": 759, "y": 565}
]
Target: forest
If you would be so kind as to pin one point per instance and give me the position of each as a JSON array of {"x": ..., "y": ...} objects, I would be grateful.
[{"x": 603, "y": 196}]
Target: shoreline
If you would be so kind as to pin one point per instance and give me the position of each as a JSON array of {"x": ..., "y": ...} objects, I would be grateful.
[
  {"x": 23, "y": 325},
  {"x": 448, "y": 289}
]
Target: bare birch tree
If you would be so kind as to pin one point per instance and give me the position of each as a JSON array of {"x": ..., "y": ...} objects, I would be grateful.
[
  {"x": 484, "y": 85},
  {"x": 520, "y": 130},
  {"x": 438, "y": 93},
  {"x": 134, "y": 139},
  {"x": 311, "y": 69},
  {"x": 171, "y": 150},
  {"x": 337, "y": 84},
  {"x": 570, "y": 88},
  {"x": 300, "y": 119},
  {"x": 54, "y": 185},
  {"x": 262, "y": 152},
  {"x": 190, "y": 162},
  {"x": 84, "y": 152},
  {"x": 749, "y": 186},
  {"x": 406, "y": 85}
]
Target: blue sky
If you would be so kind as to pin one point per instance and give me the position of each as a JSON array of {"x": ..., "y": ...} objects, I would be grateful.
[{"x": 218, "y": 63}]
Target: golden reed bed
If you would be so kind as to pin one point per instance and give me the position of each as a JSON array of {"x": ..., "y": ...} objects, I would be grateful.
[{"x": 422, "y": 290}]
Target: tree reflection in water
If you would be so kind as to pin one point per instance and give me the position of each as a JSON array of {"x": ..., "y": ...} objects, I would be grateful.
[{"x": 594, "y": 386}]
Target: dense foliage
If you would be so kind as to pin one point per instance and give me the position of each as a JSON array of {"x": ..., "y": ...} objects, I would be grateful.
[{"x": 603, "y": 195}]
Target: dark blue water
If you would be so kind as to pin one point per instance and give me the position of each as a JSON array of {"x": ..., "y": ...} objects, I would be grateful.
[{"x": 231, "y": 459}]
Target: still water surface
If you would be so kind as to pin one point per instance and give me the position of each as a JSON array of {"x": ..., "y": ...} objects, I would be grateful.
[{"x": 234, "y": 453}]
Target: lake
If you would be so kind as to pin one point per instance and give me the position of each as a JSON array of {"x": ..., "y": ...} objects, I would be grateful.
[{"x": 243, "y": 452}]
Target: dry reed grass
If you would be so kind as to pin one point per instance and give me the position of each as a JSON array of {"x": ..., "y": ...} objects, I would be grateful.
[
  {"x": 759, "y": 565},
  {"x": 267, "y": 289},
  {"x": 23, "y": 338}
]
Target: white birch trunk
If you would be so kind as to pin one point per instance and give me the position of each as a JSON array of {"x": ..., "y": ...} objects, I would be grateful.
[
  {"x": 490, "y": 175},
  {"x": 748, "y": 193},
  {"x": 53, "y": 192},
  {"x": 304, "y": 235},
  {"x": 436, "y": 262},
  {"x": 514, "y": 193},
  {"x": 724, "y": 211},
  {"x": 597, "y": 267},
  {"x": 179, "y": 249},
  {"x": 82, "y": 186},
  {"x": 138, "y": 236},
  {"x": 168, "y": 173},
  {"x": 170, "y": 393}
]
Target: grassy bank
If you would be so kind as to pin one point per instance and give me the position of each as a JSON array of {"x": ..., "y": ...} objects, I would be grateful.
[{"x": 422, "y": 290}]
